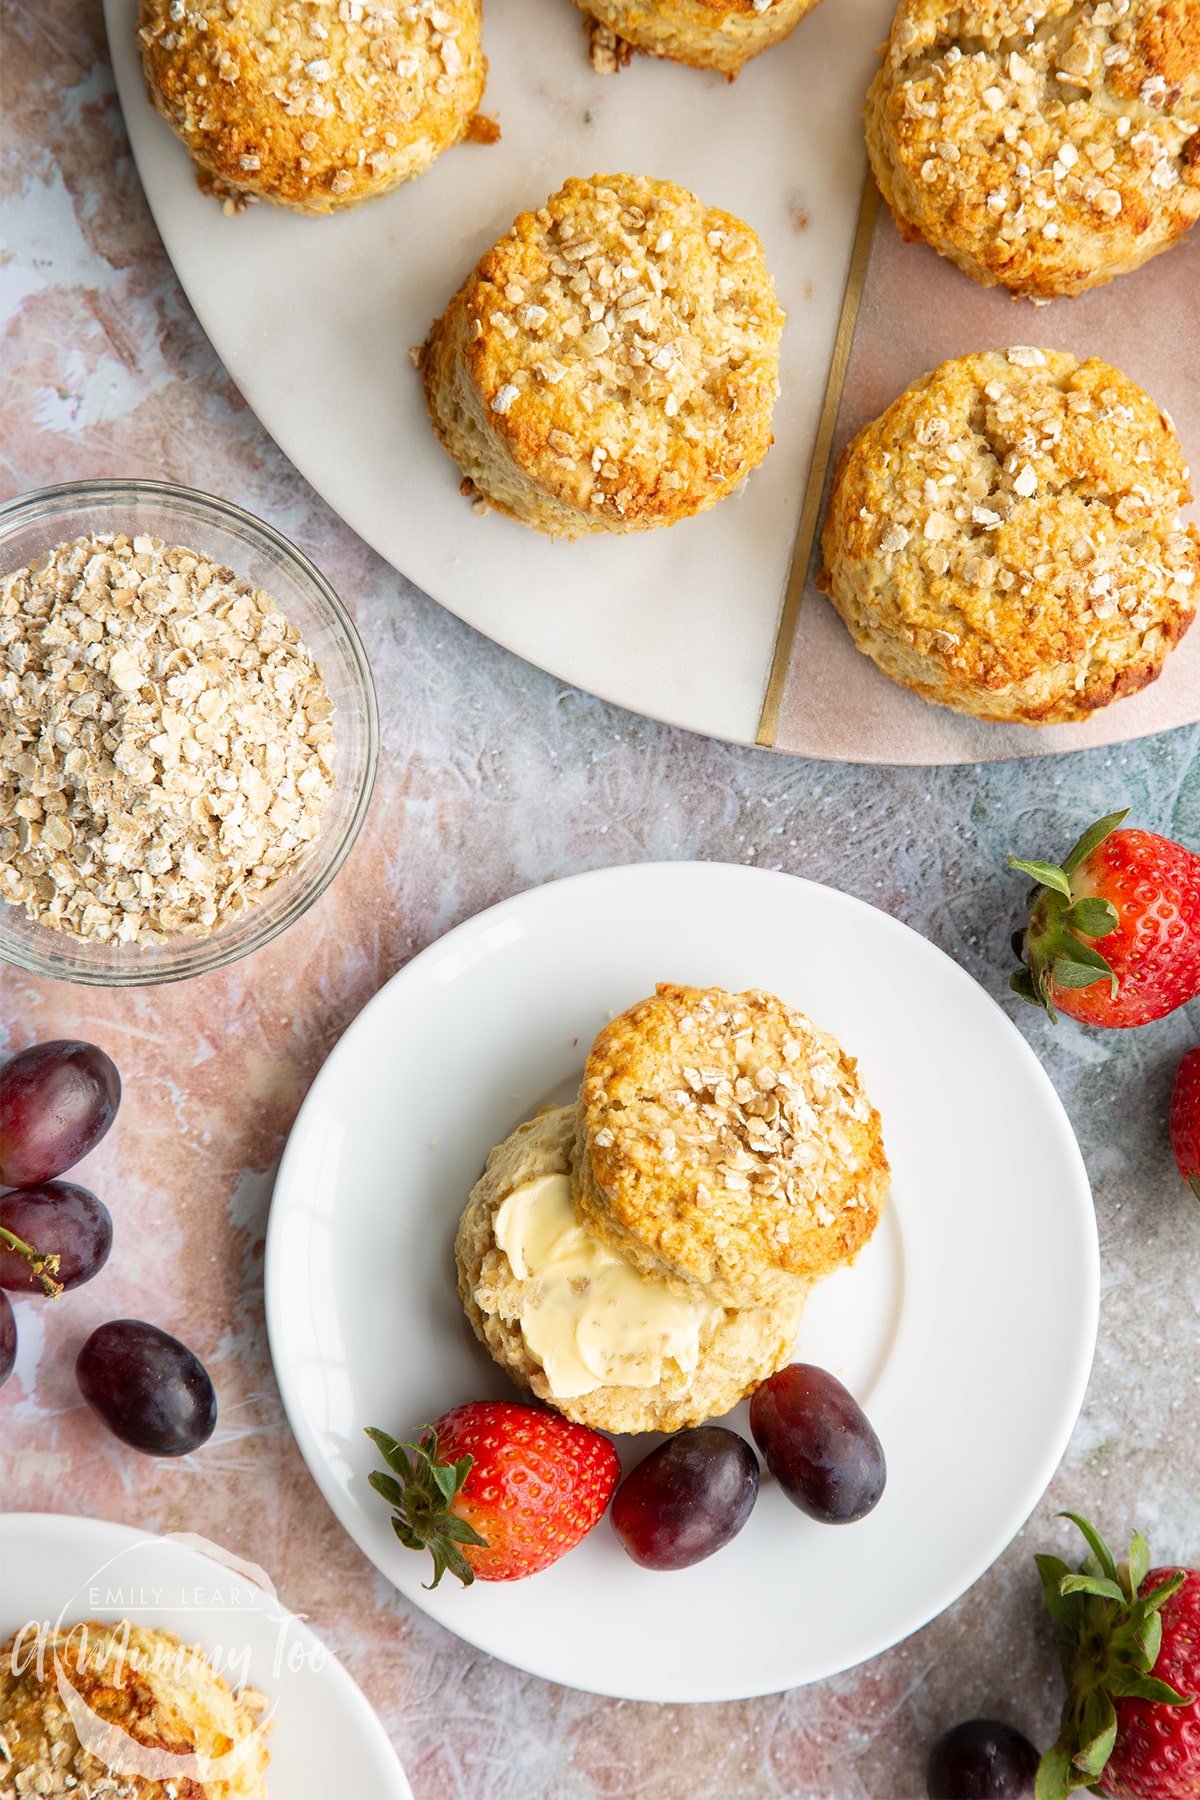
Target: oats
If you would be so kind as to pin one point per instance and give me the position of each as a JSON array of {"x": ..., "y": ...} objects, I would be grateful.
[{"x": 166, "y": 751}]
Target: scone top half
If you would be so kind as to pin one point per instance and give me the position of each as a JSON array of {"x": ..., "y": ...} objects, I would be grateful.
[
  {"x": 312, "y": 106},
  {"x": 725, "y": 1140},
  {"x": 1043, "y": 144},
  {"x": 1006, "y": 538},
  {"x": 612, "y": 363}
]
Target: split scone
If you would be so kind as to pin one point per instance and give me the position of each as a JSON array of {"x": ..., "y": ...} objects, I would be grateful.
[
  {"x": 313, "y": 107},
  {"x": 157, "y": 1719},
  {"x": 614, "y": 1346},
  {"x": 1006, "y": 538},
  {"x": 724, "y": 1140},
  {"x": 707, "y": 34},
  {"x": 1047, "y": 146},
  {"x": 612, "y": 363}
]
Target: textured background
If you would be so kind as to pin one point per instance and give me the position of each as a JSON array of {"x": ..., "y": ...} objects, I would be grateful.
[{"x": 494, "y": 777}]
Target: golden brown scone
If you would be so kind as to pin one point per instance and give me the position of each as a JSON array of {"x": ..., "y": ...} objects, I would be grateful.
[
  {"x": 612, "y": 363},
  {"x": 707, "y": 34},
  {"x": 151, "y": 1688},
  {"x": 730, "y": 1353},
  {"x": 726, "y": 1140},
  {"x": 1043, "y": 144},
  {"x": 1005, "y": 539},
  {"x": 313, "y": 107}
]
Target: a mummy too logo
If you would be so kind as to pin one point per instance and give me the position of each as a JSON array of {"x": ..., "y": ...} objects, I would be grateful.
[{"x": 124, "y": 1638}]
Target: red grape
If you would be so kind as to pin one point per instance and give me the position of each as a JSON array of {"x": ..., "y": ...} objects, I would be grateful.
[
  {"x": 55, "y": 1219},
  {"x": 8, "y": 1338},
  {"x": 149, "y": 1389},
  {"x": 56, "y": 1103},
  {"x": 982, "y": 1759},
  {"x": 818, "y": 1444},
  {"x": 687, "y": 1499}
]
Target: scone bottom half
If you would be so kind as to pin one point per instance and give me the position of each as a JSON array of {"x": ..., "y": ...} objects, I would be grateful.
[
  {"x": 612, "y": 363},
  {"x": 665, "y": 1355},
  {"x": 1006, "y": 538}
]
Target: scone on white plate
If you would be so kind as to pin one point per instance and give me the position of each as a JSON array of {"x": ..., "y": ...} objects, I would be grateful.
[
  {"x": 151, "y": 1691},
  {"x": 574, "y": 1322}
]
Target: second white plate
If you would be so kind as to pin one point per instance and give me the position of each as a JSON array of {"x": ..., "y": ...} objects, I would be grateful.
[
  {"x": 966, "y": 1327},
  {"x": 323, "y": 1738}
]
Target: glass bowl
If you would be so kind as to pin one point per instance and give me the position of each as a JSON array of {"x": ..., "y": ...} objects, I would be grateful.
[{"x": 224, "y": 534}]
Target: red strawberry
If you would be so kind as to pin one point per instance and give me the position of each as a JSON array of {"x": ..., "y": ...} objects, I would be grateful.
[
  {"x": 1185, "y": 1119},
  {"x": 496, "y": 1489},
  {"x": 1131, "y": 1655},
  {"x": 1137, "y": 892}
]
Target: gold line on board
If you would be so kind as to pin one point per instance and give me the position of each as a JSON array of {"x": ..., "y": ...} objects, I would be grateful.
[{"x": 806, "y": 531}]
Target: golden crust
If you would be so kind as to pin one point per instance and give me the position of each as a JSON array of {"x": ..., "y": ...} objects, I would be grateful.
[
  {"x": 612, "y": 363},
  {"x": 707, "y": 34},
  {"x": 313, "y": 108},
  {"x": 1005, "y": 538},
  {"x": 725, "y": 1140},
  {"x": 738, "y": 1351},
  {"x": 1042, "y": 144},
  {"x": 150, "y": 1687}
]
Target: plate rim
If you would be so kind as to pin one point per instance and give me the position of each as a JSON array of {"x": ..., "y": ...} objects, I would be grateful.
[
  {"x": 364, "y": 1715},
  {"x": 945, "y": 1594}
]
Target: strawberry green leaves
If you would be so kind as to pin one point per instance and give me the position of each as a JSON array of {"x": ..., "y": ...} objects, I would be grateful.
[
  {"x": 421, "y": 1490},
  {"x": 1110, "y": 1643},
  {"x": 1055, "y": 948}
]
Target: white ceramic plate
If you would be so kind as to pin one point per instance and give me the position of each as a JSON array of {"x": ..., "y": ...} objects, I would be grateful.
[
  {"x": 966, "y": 1327},
  {"x": 324, "y": 1739},
  {"x": 314, "y": 318}
]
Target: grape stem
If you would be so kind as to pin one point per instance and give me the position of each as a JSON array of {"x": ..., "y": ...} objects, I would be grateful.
[{"x": 44, "y": 1267}]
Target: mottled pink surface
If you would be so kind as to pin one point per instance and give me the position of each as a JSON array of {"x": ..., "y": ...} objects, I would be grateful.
[
  {"x": 917, "y": 309},
  {"x": 494, "y": 777}
]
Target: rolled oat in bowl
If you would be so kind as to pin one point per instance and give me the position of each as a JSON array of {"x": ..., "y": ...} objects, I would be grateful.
[{"x": 166, "y": 742}]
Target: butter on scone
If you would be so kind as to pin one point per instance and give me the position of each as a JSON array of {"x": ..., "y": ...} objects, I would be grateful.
[
  {"x": 1047, "y": 146},
  {"x": 575, "y": 1322},
  {"x": 726, "y": 1141},
  {"x": 1006, "y": 538},
  {"x": 611, "y": 364},
  {"x": 707, "y": 34},
  {"x": 152, "y": 1692},
  {"x": 313, "y": 108}
]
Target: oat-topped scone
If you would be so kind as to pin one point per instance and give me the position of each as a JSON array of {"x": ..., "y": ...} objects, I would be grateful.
[
  {"x": 1005, "y": 539},
  {"x": 1046, "y": 145},
  {"x": 156, "y": 1692},
  {"x": 725, "y": 1140},
  {"x": 571, "y": 1319},
  {"x": 708, "y": 34},
  {"x": 612, "y": 363},
  {"x": 313, "y": 106}
]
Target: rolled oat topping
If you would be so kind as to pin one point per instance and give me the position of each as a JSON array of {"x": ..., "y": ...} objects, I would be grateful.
[{"x": 166, "y": 744}]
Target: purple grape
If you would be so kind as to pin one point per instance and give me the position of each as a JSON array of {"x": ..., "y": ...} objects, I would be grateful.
[
  {"x": 56, "y": 1103},
  {"x": 149, "y": 1389},
  {"x": 818, "y": 1444},
  {"x": 55, "y": 1219},
  {"x": 8, "y": 1338},
  {"x": 687, "y": 1499},
  {"x": 982, "y": 1759}
]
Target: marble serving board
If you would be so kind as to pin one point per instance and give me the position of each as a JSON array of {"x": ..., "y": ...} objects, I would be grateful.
[{"x": 314, "y": 319}]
